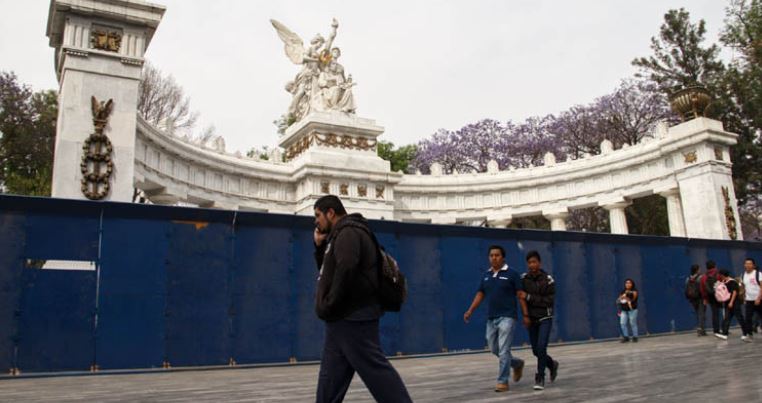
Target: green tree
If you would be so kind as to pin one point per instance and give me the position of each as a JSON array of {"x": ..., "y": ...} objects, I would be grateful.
[
  {"x": 27, "y": 134},
  {"x": 679, "y": 57},
  {"x": 741, "y": 101},
  {"x": 400, "y": 158}
]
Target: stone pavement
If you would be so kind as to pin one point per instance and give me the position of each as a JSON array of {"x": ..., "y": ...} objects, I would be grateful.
[{"x": 669, "y": 368}]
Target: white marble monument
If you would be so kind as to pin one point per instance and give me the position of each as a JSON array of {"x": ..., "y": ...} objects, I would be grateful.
[{"x": 326, "y": 148}]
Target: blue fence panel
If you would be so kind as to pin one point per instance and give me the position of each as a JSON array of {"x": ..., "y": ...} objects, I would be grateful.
[
  {"x": 421, "y": 318},
  {"x": 603, "y": 287},
  {"x": 132, "y": 293},
  {"x": 308, "y": 331},
  {"x": 56, "y": 321},
  {"x": 662, "y": 301},
  {"x": 12, "y": 228},
  {"x": 465, "y": 266},
  {"x": 261, "y": 292},
  {"x": 389, "y": 325},
  {"x": 198, "y": 300}
]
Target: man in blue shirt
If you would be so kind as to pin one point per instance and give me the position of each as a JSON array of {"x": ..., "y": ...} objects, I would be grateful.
[{"x": 500, "y": 285}]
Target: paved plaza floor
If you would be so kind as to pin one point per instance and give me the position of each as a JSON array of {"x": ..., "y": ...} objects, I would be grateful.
[{"x": 677, "y": 368}]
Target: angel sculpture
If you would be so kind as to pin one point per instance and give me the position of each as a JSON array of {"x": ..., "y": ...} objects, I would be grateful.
[{"x": 320, "y": 85}]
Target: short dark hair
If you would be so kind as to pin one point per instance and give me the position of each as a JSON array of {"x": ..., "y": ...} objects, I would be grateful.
[
  {"x": 533, "y": 254},
  {"x": 751, "y": 260},
  {"x": 498, "y": 247},
  {"x": 695, "y": 269},
  {"x": 725, "y": 273},
  {"x": 710, "y": 264},
  {"x": 330, "y": 202}
]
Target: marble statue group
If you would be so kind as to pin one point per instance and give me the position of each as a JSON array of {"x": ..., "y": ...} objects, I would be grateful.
[{"x": 321, "y": 85}]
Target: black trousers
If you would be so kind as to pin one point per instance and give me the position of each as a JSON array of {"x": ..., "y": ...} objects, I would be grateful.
[
  {"x": 728, "y": 314},
  {"x": 354, "y": 346},
  {"x": 539, "y": 336},
  {"x": 700, "y": 309},
  {"x": 749, "y": 310},
  {"x": 715, "y": 306}
]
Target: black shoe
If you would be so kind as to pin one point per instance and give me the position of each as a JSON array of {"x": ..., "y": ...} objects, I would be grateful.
[
  {"x": 554, "y": 371},
  {"x": 625, "y": 339},
  {"x": 634, "y": 339},
  {"x": 518, "y": 372},
  {"x": 539, "y": 382}
]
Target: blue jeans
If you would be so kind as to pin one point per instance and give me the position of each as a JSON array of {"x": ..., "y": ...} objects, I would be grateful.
[
  {"x": 630, "y": 317},
  {"x": 539, "y": 335},
  {"x": 499, "y": 339}
]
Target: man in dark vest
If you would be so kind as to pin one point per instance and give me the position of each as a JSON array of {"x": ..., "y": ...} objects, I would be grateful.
[{"x": 347, "y": 300}]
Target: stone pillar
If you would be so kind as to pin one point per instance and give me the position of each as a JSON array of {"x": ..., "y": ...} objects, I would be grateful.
[
  {"x": 99, "y": 48},
  {"x": 705, "y": 180},
  {"x": 617, "y": 218},
  {"x": 674, "y": 212},
  {"x": 557, "y": 220}
]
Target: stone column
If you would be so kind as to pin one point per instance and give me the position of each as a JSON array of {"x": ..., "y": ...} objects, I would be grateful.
[
  {"x": 99, "y": 48},
  {"x": 557, "y": 220},
  {"x": 674, "y": 212},
  {"x": 617, "y": 218}
]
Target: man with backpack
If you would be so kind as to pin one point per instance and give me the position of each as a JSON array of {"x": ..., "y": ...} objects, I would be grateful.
[
  {"x": 726, "y": 293},
  {"x": 348, "y": 299},
  {"x": 500, "y": 286},
  {"x": 693, "y": 295},
  {"x": 708, "y": 280},
  {"x": 752, "y": 296}
]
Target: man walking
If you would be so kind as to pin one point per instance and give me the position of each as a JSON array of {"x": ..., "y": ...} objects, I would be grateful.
[
  {"x": 693, "y": 295},
  {"x": 708, "y": 280},
  {"x": 537, "y": 302},
  {"x": 500, "y": 285},
  {"x": 753, "y": 297},
  {"x": 347, "y": 300}
]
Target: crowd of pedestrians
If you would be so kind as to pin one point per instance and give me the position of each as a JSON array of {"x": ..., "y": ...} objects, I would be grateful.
[{"x": 727, "y": 297}]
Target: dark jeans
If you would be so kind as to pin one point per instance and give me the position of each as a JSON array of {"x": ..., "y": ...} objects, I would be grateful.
[
  {"x": 700, "y": 310},
  {"x": 715, "y": 306},
  {"x": 749, "y": 310},
  {"x": 728, "y": 314},
  {"x": 354, "y": 346},
  {"x": 539, "y": 335}
]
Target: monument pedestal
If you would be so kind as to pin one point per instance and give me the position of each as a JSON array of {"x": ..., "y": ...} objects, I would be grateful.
[
  {"x": 99, "y": 53},
  {"x": 336, "y": 153}
]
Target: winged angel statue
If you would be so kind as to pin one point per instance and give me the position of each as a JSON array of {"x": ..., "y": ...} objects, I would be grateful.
[{"x": 321, "y": 84}]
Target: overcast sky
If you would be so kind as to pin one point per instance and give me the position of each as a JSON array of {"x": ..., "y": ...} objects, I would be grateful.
[{"x": 419, "y": 65}]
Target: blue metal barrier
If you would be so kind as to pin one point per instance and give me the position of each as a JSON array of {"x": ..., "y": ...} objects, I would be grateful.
[{"x": 191, "y": 287}]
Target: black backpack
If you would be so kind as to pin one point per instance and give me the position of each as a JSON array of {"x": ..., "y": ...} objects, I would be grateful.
[
  {"x": 692, "y": 291},
  {"x": 392, "y": 285}
]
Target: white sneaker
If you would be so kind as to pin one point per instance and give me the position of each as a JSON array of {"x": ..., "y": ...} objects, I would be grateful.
[
  {"x": 720, "y": 336},
  {"x": 746, "y": 339},
  {"x": 743, "y": 338}
]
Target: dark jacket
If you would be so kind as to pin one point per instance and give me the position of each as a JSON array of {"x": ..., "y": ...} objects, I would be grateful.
[
  {"x": 348, "y": 264},
  {"x": 541, "y": 294}
]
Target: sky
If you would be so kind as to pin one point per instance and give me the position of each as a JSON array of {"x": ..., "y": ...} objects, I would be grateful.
[{"x": 419, "y": 65}]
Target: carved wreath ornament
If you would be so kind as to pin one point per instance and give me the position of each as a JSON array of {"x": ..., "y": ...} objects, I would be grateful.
[{"x": 97, "y": 165}]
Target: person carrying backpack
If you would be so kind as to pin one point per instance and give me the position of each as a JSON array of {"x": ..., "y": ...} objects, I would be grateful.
[
  {"x": 726, "y": 293},
  {"x": 693, "y": 295},
  {"x": 708, "y": 280},
  {"x": 752, "y": 298},
  {"x": 349, "y": 299}
]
